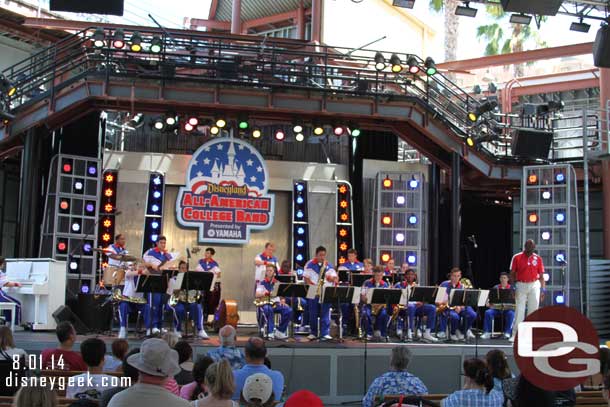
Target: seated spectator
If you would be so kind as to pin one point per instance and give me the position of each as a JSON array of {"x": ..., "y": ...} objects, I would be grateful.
[
  {"x": 258, "y": 391},
  {"x": 530, "y": 395},
  {"x": 35, "y": 396},
  {"x": 63, "y": 358},
  {"x": 220, "y": 385},
  {"x": 7, "y": 345},
  {"x": 185, "y": 359},
  {"x": 155, "y": 362},
  {"x": 195, "y": 390},
  {"x": 606, "y": 390},
  {"x": 478, "y": 388},
  {"x": 303, "y": 398},
  {"x": 227, "y": 349},
  {"x": 596, "y": 382},
  {"x": 171, "y": 338},
  {"x": 255, "y": 359},
  {"x": 397, "y": 381},
  {"x": 128, "y": 371},
  {"x": 498, "y": 368},
  {"x": 267, "y": 362},
  {"x": 113, "y": 362},
  {"x": 91, "y": 384}
]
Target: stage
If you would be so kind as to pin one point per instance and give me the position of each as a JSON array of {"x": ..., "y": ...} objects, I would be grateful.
[{"x": 338, "y": 366}]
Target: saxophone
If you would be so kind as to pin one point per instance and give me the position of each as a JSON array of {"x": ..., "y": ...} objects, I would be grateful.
[
  {"x": 466, "y": 284},
  {"x": 181, "y": 296},
  {"x": 117, "y": 296},
  {"x": 321, "y": 280}
]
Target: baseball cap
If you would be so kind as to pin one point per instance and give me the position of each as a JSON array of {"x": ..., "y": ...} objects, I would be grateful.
[
  {"x": 303, "y": 398},
  {"x": 257, "y": 386}
]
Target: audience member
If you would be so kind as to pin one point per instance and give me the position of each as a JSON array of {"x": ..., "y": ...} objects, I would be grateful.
[
  {"x": 255, "y": 359},
  {"x": 531, "y": 395},
  {"x": 185, "y": 359},
  {"x": 195, "y": 390},
  {"x": 227, "y": 349},
  {"x": 113, "y": 362},
  {"x": 258, "y": 391},
  {"x": 220, "y": 385},
  {"x": 596, "y": 382},
  {"x": 478, "y": 388},
  {"x": 7, "y": 345},
  {"x": 498, "y": 368},
  {"x": 129, "y": 372},
  {"x": 303, "y": 398},
  {"x": 63, "y": 357},
  {"x": 91, "y": 384},
  {"x": 397, "y": 380},
  {"x": 267, "y": 362},
  {"x": 35, "y": 396},
  {"x": 606, "y": 390},
  {"x": 171, "y": 338},
  {"x": 155, "y": 362}
]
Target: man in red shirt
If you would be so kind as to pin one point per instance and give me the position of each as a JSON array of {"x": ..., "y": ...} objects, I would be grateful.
[
  {"x": 63, "y": 358},
  {"x": 527, "y": 274}
]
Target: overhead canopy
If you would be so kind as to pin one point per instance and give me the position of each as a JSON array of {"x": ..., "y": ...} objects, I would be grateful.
[{"x": 253, "y": 9}]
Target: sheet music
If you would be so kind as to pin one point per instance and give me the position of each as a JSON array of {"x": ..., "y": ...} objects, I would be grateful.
[
  {"x": 406, "y": 292},
  {"x": 483, "y": 295},
  {"x": 369, "y": 295},
  {"x": 311, "y": 292},
  {"x": 440, "y": 294},
  {"x": 356, "y": 296},
  {"x": 214, "y": 281},
  {"x": 175, "y": 283},
  {"x": 276, "y": 287}
]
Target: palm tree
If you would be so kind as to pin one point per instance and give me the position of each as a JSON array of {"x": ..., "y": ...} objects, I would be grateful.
[{"x": 452, "y": 25}]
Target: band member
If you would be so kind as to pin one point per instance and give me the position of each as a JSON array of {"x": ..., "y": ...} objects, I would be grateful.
[
  {"x": 352, "y": 265},
  {"x": 315, "y": 269},
  {"x": 210, "y": 300},
  {"x": 116, "y": 250},
  {"x": 279, "y": 306},
  {"x": 194, "y": 310},
  {"x": 457, "y": 314},
  {"x": 285, "y": 269},
  {"x": 382, "y": 318},
  {"x": 156, "y": 258},
  {"x": 389, "y": 268},
  {"x": 527, "y": 272},
  {"x": 132, "y": 304},
  {"x": 368, "y": 266},
  {"x": 491, "y": 313},
  {"x": 261, "y": 261},
  {"x": 415, "y": 309},
  {"x": 301, "y": 303},
  {"x": 7, "y": 298}
]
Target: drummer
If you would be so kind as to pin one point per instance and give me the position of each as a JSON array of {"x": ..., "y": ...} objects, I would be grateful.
[{"x": 115, "y": 253}]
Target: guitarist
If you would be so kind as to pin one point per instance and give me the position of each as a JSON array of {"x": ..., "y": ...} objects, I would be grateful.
[{"x": 319, "y": 272}]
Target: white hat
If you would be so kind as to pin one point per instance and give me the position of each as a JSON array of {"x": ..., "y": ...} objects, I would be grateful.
[
  {"x": 155, "y": 358},
  {"x": 258, "y": 386}
]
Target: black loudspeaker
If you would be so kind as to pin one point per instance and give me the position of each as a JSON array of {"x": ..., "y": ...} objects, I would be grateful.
[
  {"x": 601, "y": 48},
  {"x": 95, "y": 311},
  {"x": 540, "y": 7},
  {"x": 531, "y": 143},
  {"x": 64, "y": 313},
  {"x": 114, "y": 7}
]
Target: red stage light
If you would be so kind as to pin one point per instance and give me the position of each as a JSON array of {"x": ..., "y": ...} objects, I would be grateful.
[
  {"x": 108, "y": 192},
  {"x": 342, "y": 232},
  {"x": 385, "y": 257},
  {"x": 386, "y": 220},
  {"x": 344, "y": 217},
  {"x": 532, "y": 217},
  {"x": 387, "y": 183},
  {"x": 61, "y": 246},
  {"x": 343, "y": 204},
  {"x": 67, "y": 167},
  {"x": 532, "y": 179},
  {"x": 342, "y": 189},
  {"x": 64, "y": 205},
  {"x": 108, "y": 207},
  {"x": 107, "y": 223},
  {"x": 339, "y": 130},
  {"x": 109, "y": 177},
  {"x": 343, "y": 246}
]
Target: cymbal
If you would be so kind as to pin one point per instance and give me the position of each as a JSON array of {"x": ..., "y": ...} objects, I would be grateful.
[{"x": 127, "y": 257}]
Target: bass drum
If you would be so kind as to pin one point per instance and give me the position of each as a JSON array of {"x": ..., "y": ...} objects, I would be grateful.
[{"x": 226, "y": 314}]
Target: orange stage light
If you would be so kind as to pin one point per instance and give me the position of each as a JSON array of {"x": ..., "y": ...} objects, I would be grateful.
[
  {"x": 344, "y": 217},
  {"x": 387, "y": 183},
  {"x": 342, "y": 260},
  {"x": 343, "y": 246},
  {"x": 342, "y": 189},
  {"x": 107, "y": 223},
  {"x": 532, "y": 218},
  {"x": 109, "y": 177},
  {"x": 342, "y": 232},
  {"x": 343, "y": 204},
  {"x": 532, "y": 179},
  {"x": 386, "y": 220},
  {"x": 108, "y": 207},
  {"x": 108, "y": 192},
  {"x": 385, "y": 257}
]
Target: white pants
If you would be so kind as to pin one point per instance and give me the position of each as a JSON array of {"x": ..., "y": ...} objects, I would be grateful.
[{"x": 526, "y": 293}]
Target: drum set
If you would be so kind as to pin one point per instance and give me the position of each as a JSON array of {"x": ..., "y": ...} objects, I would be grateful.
[{"x": 113, "y": 276}]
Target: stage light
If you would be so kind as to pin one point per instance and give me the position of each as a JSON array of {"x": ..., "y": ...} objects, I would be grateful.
[
  {"x": 396, "y": 64},
  {"x": 560, "y": 257},
  {"x": 413, "y": 183},
  {"x": 159, "y": 124},
  {"x": 300, "y": 243},
  {"x": 156, "y": 44},
  {"x": 300, "y": 187},
  {"x": 560, "y": 217},
  {"x": 107, "y": 223},
  {"x": 318, "y": 130},
  {"x": 385, "y": 257},
  {"x": 92, "y": 170},
  {"x": 214, "y": 130},
  {"x": 532, "y": 217},
  {"x": 301, "y": 230},
  {"x": 193, "y": 121},
  {"x": 299, "y": 137},
  {"x": 188, "y": 127},
  {"x": 10, "y": 90},
  {"x": 413, "y": 219},
  {"x": 379, "y": 61},
  {"x": 256, "y": 133},
  {"x": 154, "y": 237},
  {"x": 108, "y": 208},
  {"x": 243, "y": 124},
  {"x": 400, "y": 200},
  {"x": 300, "y": 200},
  {"x": 481, "y": 109},
  {"x": 221, "y": 123},
  {"x": 469, "y": 139},
  {"x": 343, "y": 204},
  {"x": 546, "y": 277},
  {"x": 118, "y": 40},
  {"x": 560, "y": 178},
  {"x": 78, "y": 186},
  {"x": 532, "y": 179},
  {"x": 157, "y": 180},
  {"x": 546, "y": 235},
  {"x": 430, "y": 66},
  {"x": 299, "y": 257},
  {"x": 62, "y": 246},
  {"x": 559, "y": 299},
  {"x": 109, "y": 178},
  {"x": 279, "y": 135},
  {"x": 338, "y": 130},
  {"x": 108, "y": 192},
  {"x": 73, "y": 265},
  {"x": 355, "y": 132},
  {"x": 466, "y": 10},
  {"x": 342, "y": 232},
  {"x": 413, "y": 65},
  {"x": 344, "y": 217},
  {"x": 99, "y": 37},
  {"x": 520, "y": 19},
  {"x": 300, "y": 214},
  {"x": 400, "y": 237},
  {"x": 546, "y": 195},
  {"x": 411, "y": 258},
  {"x": 106, "y": 237},
  {"x": 342, "y": 189},
  {"x": 387, "y": 183},
  {"x": 154, "y": 224},
  {"x": 343, "y": 246},
  {"x": 87, "y": 248},
  {"x": 90, "y": 208},
  {"x": 386, "y": 220},
  {"x": 67, "y": 168},
  {"x": 492, "y": 88},
  {"x": 136, "y": 42},
  {"x": 154, "y": 208},
  {"x": 64, "y": 205},
  {"x": 297, "y": 128},
  {"x": 170, "y": 119},
  {"x": 476, "y": 89},
  {"x": 580, "y": 27}
]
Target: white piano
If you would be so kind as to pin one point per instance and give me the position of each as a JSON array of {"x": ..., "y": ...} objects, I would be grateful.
[{"x": 42, "y": 291}]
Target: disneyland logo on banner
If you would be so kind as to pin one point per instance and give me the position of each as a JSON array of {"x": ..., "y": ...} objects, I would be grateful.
[{"x": 225, "y": 195}]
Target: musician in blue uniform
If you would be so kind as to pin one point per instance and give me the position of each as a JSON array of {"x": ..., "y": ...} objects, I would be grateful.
[
  {"x": 415, "y": 309},
  {"x": 492, "y": 312},
  {"x": 266, "y": 311},
  {"x": 194, "y": 310},
  {"x": 315, "y": 269},
  {"x": 210, "y": 300},
  {"x": 381, "y": 317},
  {"x": 464, "y": 314},
  {"x": 156, "y": 257},
  {"x": 261, "y": 261},
  {"x": 131, "y": 302},
  {"x": 390, "y": 268},
  {"x": 4, "y": 297},
  {"x": 352, "y": 265}
]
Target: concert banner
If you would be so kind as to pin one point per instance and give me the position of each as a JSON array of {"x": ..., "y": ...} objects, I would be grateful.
[{"x": 225, "y": 195}]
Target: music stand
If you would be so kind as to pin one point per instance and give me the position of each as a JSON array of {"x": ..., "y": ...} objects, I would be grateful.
[
  {"x": 292, "y": 290},
  {"x": 340, "y": 295},
  {"x": 344, "y": 275},
  {"x": 466, "y": 298},
  {"x": 427, "y": 295},
  {"x": 154, "y": 283},
  {"x": 358, "y": 279},
  {"x": 500, "y": 298},
  {"x": 194, "y": 280},
  {"x": 286, "y": 278}
]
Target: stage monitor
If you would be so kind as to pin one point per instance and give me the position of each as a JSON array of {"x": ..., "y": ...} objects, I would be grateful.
[
  {"x": 532, "y": 143},
  {"x": 114, "y": 7},
  {"x": 601, "y": 48},
  {"x": 539, "y": 7}
]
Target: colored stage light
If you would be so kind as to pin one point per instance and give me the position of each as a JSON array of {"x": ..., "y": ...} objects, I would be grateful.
[
  {"x": 64, "y": 205},
  {"x": 87, "y": 248},
  {"x": 338, "y": 130},
  {"x": 193, "y": 121},
  {"x": 62, "y": 246},
  {"x": 385, "y": 257},
  {"x": 154, "y": 208},
  {"x": 300, "y": 200},
  {"x": 532, "y": 179},
  {"x": 300, "y": 214},
  {"x": 560, "y": 257},
  {"x": 546, "y": 277},
  {"x": 300, "y": 187},
  {"x": 256, "y": 133},
  {"x": 67, "y": 168},
  {"x": 387, "y": 183},
  {"x": 355, "y": 132},
  {"x": 89, "y": 208},
  {"x": 386, "y": 220},
  {"x": 299, "y": 137},
  {"x": 300, "y": 243},
  {"x": 342, "y": 259},
  {"x": 108, "y": 208},
  {"x": 106, "y": 237},
  {"x": 92, "y": 170},
  {"x": 318, "y": 130},
  {"x": 300, "y": 230},
  {"x": 243, "y": 125},
  {"x": 400, "y": 200},
  {"x": 411, "y": 258},
  {"x": 297, "y": 128},
  {"x": 157, "y": 194},
  {"x": 469, "y": 140},
  {"x": 214, "y": 130},
  {"x": 170, "y": 119},
  {"x": 108, "y": 192},
  {"x": 379, "y": 61},
  {"x": 342, "y": 189},
  {"x": 188, "y": 127},
  {"x": 430, "y": 66},
  {"x": 154, "y": 237},
  {"x": 546, "y": 195},
  {"x": 8, "y": 88},
  {"x": 400, "y": 237},
  {"x": 136, "y": 42},
  {"x": 560, "y": 217},
  {"x": 560, "y": 178},
  {"x": 84, "y": 289},
  {"x": 546, "y": 235},
  {"x": 559, "y": 299},
  {"x": 343, "y": 204},
  {"x": 396, "y": 64},
  {"x": 221, "y": 123},
  {"x": 78, "y": 186},
  {"x": 156, "y": 44},
  {"x": 413, "y": 65},
  {"x": 343, "y": 246},
  {"x": 413, "y": 183},
  {"x": 118, "y": 40},
  {"x": 299, "y": 257},
  {"x": 99, "y": 38},
  {"x": 154, "y": 224},
  {"x": 344, "y": 217},
  {"x": 279, "y": 135},
  {"x": 413, "y": 219},
  {"x": 532, "y": 217},
  {"x": 157, "y": 180},
  {"x": 342, "y": 232},
  {"x": 109, "y": 178},
  {"x": 107, "y": 223}
]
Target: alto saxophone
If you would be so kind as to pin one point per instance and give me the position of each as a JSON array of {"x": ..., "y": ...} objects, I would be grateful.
[
  {"x": 264, "y": 300},
  {"x": 321, "y": 280}
]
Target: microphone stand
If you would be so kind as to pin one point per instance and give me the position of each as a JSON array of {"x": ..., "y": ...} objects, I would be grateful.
[{"x": 188, "y": 266}]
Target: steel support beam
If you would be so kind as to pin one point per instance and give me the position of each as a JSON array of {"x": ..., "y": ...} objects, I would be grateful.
[
  {"x": 604, "y": 90},
  {"x": 434, "y": 198},
  {"x": 316, "y": 21},
  {"x": 236, "y": 17},
  {"x": 456, "y": 208},
  {"x": 301, "y": 22}
]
